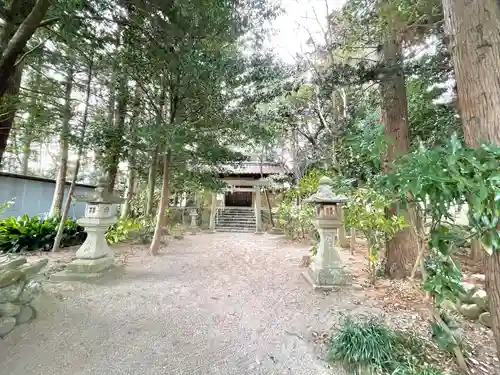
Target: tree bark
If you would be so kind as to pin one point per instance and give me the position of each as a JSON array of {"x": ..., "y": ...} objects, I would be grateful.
[
  {"x": 57, "y": 199},
  {"x": 26, "y": 155},
  {"x": 8, "y": 103},
  {"x": 131, "y": 173},
  {"x": 65, "y": 211},
  {"x": 401, "y": 250},
  {"x": 118, "y": 136},
  {"x": 474, "y": 34},
  {"x": 19, "y": 27},
  {"x": 151, "y": 184},
  {"x": 162, "y": 207}
]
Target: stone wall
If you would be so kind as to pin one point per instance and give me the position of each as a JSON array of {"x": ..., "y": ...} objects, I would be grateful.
[{"x": 19, "y": 286}]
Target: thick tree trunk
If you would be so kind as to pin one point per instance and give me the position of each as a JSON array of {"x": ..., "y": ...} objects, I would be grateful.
[
  {"x": 162, "y": 206},
  {"x": 8, "y": 103},
  {"x": 57, "y": 199},
  {"x": 151, "y": 184},
  {"x": 20, "y": 25},
  {"x": 474, "y": 32},
  {"x": 401, "y": 250}
]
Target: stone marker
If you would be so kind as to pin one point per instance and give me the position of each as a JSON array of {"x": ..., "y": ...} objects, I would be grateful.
[
  {"x": 94, "y": 256},
  {"x": 326, "y": 270}
]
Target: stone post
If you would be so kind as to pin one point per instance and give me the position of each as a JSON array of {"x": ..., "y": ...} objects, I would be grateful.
[
  {"x": 213, "y": 212},
  {"x": 258, "y": 218},
  {"x": 326, "y": 270},
  {"x": 194, "y": 226},
  {"x": 94, "y": 256}
]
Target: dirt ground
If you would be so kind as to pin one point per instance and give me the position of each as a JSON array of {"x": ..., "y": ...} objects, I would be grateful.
[{"x": 213, "y": 304}]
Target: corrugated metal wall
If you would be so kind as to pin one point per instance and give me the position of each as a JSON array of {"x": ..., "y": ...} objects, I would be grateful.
[{"x": 33, "y": 197}]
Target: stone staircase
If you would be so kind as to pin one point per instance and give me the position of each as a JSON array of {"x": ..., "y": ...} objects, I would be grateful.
[{"x": 235, "y": 220}]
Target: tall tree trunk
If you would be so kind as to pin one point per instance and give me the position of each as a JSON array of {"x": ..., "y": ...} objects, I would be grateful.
[
  {"x": 131, "y": 173},
  {"x": 65, "y": 211},
  {"x": 19, "y": 26},
  {"x": 474, "y": 31},
  {"x": 402, "y": 249},
  {"x": 151, "y": 183},
  {"x": 57, "y": 199},
  {"x": 118, "y": 136},
  {"x": 26, "y": 155},
  {"x": 8, "y": 103},
  {"x": 162, "y": 206}
]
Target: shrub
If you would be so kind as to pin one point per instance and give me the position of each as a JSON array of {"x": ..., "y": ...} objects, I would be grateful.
[
  {"x": 366, "y": 212},
  {"x": 122, "y": 230},
  {"x": 367, "y": 346},
  {"x": 141, "y": 228},
  {"x": 35, "y": 234}
]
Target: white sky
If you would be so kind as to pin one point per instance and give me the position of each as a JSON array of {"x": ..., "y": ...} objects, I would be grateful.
[{"x": 301, "y": 18}]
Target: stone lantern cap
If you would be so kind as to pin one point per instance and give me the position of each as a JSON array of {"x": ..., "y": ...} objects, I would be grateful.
[
  {"x": 100, "y": 195},
  {"x": 324, "y": 194}
]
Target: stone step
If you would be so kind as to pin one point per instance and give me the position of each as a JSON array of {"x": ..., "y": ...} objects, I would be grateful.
[
  {"x": 235, "y": 230},
  {"x": 235, "y": 225},
  {"x": 251, "y": 213},
  {"x": 239, "y": 220},
  {"x": 232, "y": 214}
]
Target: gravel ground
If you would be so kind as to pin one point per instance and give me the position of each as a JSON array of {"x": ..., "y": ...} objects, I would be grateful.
[{"x": 218, "y": 304}]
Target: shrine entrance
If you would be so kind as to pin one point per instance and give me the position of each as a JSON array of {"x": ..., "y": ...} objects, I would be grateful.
[{"x": 238, "y": 199}]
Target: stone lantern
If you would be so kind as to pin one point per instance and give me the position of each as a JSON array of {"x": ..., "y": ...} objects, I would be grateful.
[
  {"x": 326, "y": 270},
  {"x": 94, "y": 256},
  {"x": 193, "y": 227}
]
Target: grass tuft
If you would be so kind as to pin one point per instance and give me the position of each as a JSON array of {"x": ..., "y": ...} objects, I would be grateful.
[{"x": 367, "y": 346}]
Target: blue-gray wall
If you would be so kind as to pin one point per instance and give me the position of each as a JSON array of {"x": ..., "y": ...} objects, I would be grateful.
[{"x": 33, "y": 196}]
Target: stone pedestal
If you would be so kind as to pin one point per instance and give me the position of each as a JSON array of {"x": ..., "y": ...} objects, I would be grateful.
[
  {"x": 94, "y": 256},
  {"x": 326, "y": 270}
]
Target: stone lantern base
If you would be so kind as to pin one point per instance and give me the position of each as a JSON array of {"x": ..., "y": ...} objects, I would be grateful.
[
  {"x": 327, "y": 278},
  {"x": 94, "y": 256},
  {"x": 84, "y": 269}
]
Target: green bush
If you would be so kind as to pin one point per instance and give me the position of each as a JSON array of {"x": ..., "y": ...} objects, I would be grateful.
[
  {"x": 35, "y": 234},
  {"x": 367, "y": 346},
  {"x": 122, "y": 230},
  {"x": 141, "y": 228}
]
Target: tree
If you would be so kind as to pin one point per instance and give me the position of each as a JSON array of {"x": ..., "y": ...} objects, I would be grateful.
[
  {"x": 474, "y": 37},
  {"x": 20, "y": 20}
]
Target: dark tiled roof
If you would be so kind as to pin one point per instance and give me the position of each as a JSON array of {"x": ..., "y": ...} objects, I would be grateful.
[{"x": 253, "y": 168}]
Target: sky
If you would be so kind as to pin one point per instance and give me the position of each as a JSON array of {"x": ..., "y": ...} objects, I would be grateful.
[{"x": 300, "y": 18}]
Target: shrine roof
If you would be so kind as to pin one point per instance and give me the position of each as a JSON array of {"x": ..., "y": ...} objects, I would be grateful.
[{"x": 252, "y": 168}]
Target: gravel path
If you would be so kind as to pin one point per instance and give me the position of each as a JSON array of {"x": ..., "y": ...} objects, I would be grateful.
[{"x": 218, "y": 304}]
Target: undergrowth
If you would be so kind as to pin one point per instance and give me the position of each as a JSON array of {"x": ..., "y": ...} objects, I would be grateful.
[{"x": 367, "y": 346}]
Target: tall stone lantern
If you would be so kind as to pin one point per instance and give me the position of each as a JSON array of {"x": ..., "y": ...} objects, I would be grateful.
[
  {"x": 326, "y": 270},
  {"x": 94, "y": 256}
]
